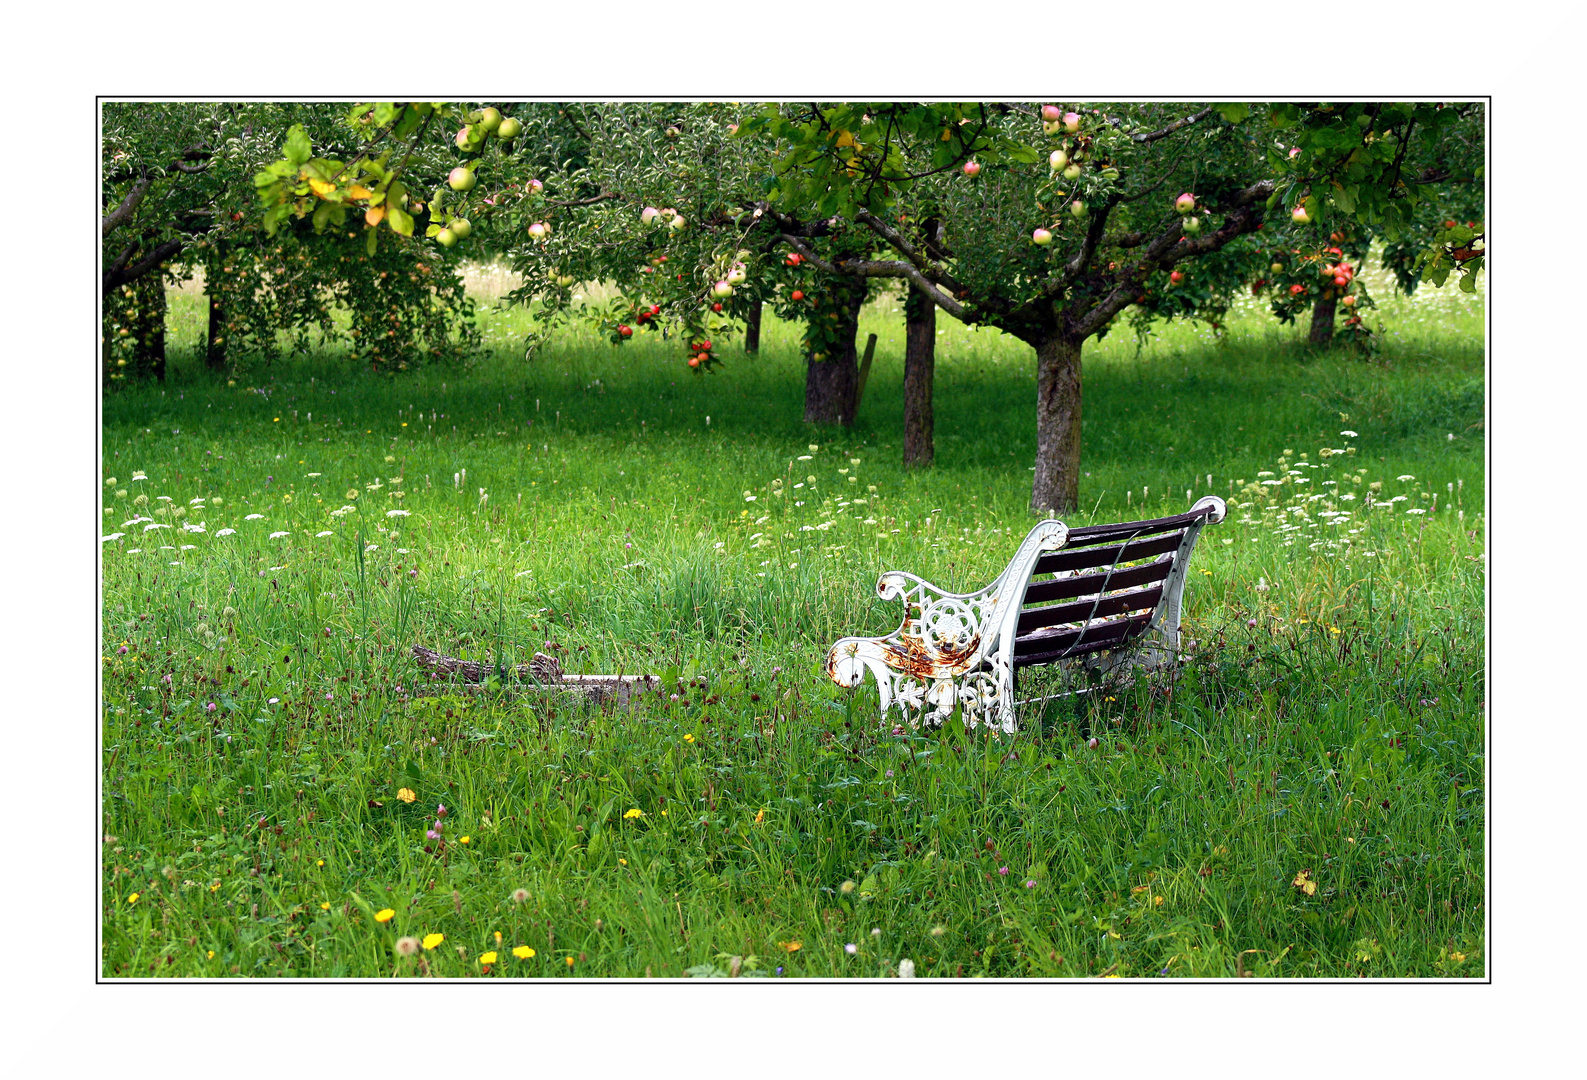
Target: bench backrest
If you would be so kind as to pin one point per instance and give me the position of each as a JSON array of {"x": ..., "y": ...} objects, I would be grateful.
[{"x": 1108, "y": 585}]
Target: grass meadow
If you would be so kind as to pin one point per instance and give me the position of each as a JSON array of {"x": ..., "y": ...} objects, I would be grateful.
[{"x": 1307, "y": 802}]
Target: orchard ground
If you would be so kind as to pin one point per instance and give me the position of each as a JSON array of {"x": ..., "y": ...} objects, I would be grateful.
[{"x": 1307, "y": 802}]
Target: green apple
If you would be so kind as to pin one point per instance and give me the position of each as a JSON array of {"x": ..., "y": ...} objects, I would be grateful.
[
  {"x": 460, "y": 228},
  {"x": 510, "y": 128},
  {"x": 490, "y": 119},
  {"x": 446, "y": 237},
  {"x": 460, "y": 178}
]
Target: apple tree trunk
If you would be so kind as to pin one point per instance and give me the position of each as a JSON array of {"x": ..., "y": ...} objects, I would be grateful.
[
  {"x": 215, "y": 339},
  {"x": 752, "y": 328},
  {"x": 920, "y": 359},
  {"x": 1056, "y": 486},
  {"x": 832, "y": 373},
  {"x": 1322, "y": 317},
  {"x": 148, "y": 326}
]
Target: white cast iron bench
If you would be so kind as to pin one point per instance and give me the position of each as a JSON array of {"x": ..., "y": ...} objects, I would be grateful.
[{"x": 1106, "y": 597}]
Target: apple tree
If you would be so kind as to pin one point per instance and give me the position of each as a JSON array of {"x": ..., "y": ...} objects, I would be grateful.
[{"x": 1077, "y": 213}]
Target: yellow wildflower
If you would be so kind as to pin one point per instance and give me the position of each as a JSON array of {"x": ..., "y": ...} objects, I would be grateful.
[
  {"x": 319, "y": 862},
  {"x": 487, "y": 958},
  {"x": 210, "y": 955},
  {"x": 634, "y": 813},
  {"x": 569, "y": 960},
  {"x": 406, "y": 794},
  {"x": 789, "y": 946},
  {"x": 432, "y": 940},
  {"x": 688, "y": 737},
  {"x": 325, "y": 905},
  {"x": 523, "y": 952},
  {"x": 760, "y": 815},
  {"x": 1457, "y": 957},
  {"x": 132, "y": 898},
  {"x": 462, "y": 839},
  {"x": 384, "y": 915}
]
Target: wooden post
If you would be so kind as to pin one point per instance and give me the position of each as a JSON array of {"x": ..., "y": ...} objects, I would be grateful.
[{"x": 865, "y": 371}]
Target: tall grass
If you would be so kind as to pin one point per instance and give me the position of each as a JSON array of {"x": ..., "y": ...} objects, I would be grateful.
[{"x": 1307, "y": 801}]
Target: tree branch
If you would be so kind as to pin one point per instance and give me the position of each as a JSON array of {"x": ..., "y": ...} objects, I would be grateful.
[
  {"x": 118, "y": 217},
  {"x": 881, "y": 268},
  {"x": 896, "y": 240},
  {"x": 152, "y": 261},
  {"x": 1153, "y": 136}
]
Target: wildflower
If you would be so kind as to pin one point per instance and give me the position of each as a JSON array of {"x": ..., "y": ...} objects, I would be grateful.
[
  {"x": 273, "y": 536},
  {"x": 384, "y": 915},
  {"x": 789, "y": 946},
  {"x": 634, "y": 813},
  {"x": 523, "y": 952},
  {"x": 253, "y": 517},
  {"x": 569, "y": 959},
  {"x": 327, "y": 532},
  {"x": 432, "y": 940},
  {"x": 462, "y": 839},
  {"x": 352, "y": 493},
  {"x": 906, "y": 968},
  {"x": 1458, "y": 957},
  {"x": 132, "y": 898},
  {"x": 814, "y": 448},
  {"x": 1030, "y": 883},
  {"x": 224, "y": 532},
  {"x": 520, "y": 895},
  {"x": 688, "y": 737},
  {"x": 760, "y": 815},
  {"x": 397, "y": 513},
  {"x": 406, "y": 794},
  {"x": 325, "y": 905},
  {"x": 487, "y": 958},
  {"x": 851, "y": 948},
  {"x": 846, "y": 888},
  {"x": 112, "y": 536},
  {"x": 1002, "y": 871}
]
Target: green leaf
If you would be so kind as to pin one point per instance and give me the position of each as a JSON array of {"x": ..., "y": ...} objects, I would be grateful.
[
  {"x": 400, "y": 220},
  {"x": 1233, "y": 111},
  {"x": 1345, "y": 198},
  {"x": 1468, "y": 281},
  {"x": 370, "y": 240},
  {"x": 298, "y": 149}
]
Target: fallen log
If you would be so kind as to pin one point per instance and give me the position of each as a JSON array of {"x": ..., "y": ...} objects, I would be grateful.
[{"x": 545, "y": 672}]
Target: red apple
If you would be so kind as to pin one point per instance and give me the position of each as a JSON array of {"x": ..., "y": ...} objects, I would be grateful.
[
  {"x": 1299, "y": 215},
  {"x": 1296, "y": 290},
  {"x": 1349, "y": 301},
  {"x": 796, "y": 295},
  {"x": 1071, "y": 122},
  {"x": 626, "y": 331},
  {"x": 1051, "y": 113},
  {"x": 1185, "y": 203},
  {"x": 694, "y": 361},
  {"x": 971, "y": 168},
  {"x": 1340, "y": 279},
  {"x": 716, "y": 307},
  {"x": 1176, "y": 277}
]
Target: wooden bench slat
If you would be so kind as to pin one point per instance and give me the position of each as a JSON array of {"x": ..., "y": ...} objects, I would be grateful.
[
  {"x": 1045, "y": 648},
  {"x": 1088, "y": 535},
  {"x": 1087, "y": 558},
  {"x": 1106, "y": 607},
  {"x": 1066, "y": 588}
]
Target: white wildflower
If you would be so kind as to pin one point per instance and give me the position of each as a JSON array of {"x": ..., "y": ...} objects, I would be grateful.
[
  {"x": 253, "y": 517},
  {"x": 112, "y": 536},
  {"x": 224, "y": 532},
  {"x": 398, "y": 513},
  {"x": 278, "y": 535}
]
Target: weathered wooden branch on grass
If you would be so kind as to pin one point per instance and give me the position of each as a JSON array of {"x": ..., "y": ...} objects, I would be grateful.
[{"x": 544, "y": 672}]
